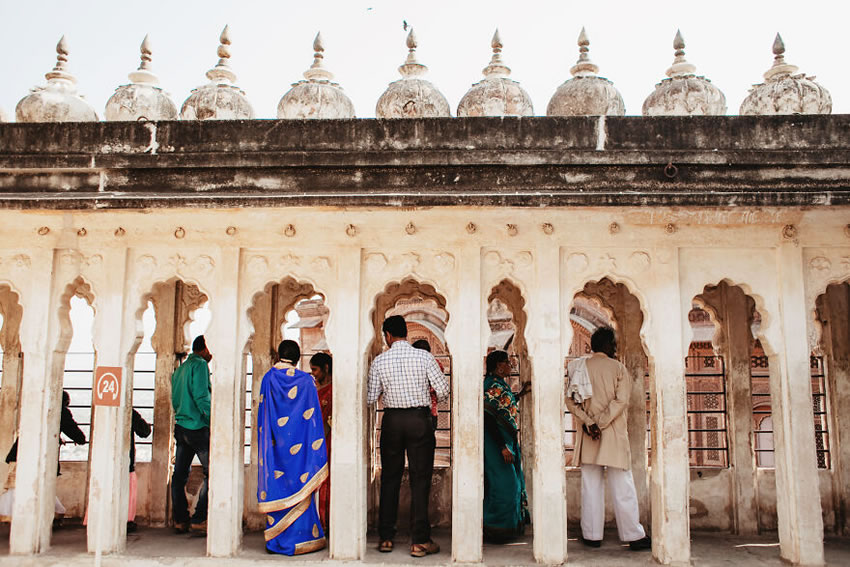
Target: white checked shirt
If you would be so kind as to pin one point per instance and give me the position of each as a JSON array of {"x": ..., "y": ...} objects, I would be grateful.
[{"x": 403, "y": 374}]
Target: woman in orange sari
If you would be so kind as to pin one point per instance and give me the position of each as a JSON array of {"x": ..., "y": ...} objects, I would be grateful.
[{"x": 321, "y": 367}]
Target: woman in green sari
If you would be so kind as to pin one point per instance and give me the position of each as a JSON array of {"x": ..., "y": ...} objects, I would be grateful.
[{"x": 505, "y": 501}]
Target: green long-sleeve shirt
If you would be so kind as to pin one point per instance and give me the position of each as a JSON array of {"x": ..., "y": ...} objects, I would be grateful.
[{"x": 190, "y": 393}]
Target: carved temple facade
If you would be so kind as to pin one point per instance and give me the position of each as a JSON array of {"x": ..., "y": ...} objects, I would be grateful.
[{"x": 746, "y": 217}]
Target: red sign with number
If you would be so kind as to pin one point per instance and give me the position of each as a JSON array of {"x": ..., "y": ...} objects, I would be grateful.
[{"x": 107, "y": 385}]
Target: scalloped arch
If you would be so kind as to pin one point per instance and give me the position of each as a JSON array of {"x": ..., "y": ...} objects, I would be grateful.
[
  {"x": 760, "y": 306},
  {"x": 296, "y": 289},
  {"x": 79, "y": 287},
  {"x": 631, "y": 287},
  {"x": 511, "y": 294},
  {"x": 406, "y": 288}
]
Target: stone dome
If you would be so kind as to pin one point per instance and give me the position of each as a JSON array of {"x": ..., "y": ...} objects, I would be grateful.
[
  {"x": 684, "y": 93},
  {"x": 495, "y": 95},
  {"x": 412, "y": 96},
  {"x": 586, "y": 93},
  {"x": 142, "y": 99},
  {"x": 220, "y": 99},
  {"x": 316, "y": 97},
  {"x": 3, "y": 116},
  {"x": 58, "y": 100},
  {"x": 784, "y": 91}
]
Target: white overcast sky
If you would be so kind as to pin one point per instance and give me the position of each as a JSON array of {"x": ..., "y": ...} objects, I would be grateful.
[{"x": 729, "y": 42}]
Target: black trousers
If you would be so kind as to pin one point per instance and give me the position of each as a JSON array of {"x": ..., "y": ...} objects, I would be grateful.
[
  {"x": 406, "y": 430},
  {"x": 190, "y": 442}
]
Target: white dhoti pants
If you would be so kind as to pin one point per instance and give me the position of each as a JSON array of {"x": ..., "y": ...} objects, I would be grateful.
[{"x": 622, "y": 487}]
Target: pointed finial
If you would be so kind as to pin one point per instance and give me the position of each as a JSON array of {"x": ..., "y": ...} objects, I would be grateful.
[
  {"x": 222, "y": 73},
  {"x": 679, "y": 44},
  {"x": 778, "y": 46},
  {"x": 144, "y": 74},
  {"x": 60, "y": 71},
  {"x": 584, "y": 67},
  {"x": 680, "y": 66},
  {"x": 497, "y": 67},
  {"x": 146, "y": 53},
  {"x": 779, "y": 67},
  {"x": 317, "y": 71},
  {"x": 224, "y": 47},
  {"x": 412, "y": 67},
  {"x": 61, "y": 54}
]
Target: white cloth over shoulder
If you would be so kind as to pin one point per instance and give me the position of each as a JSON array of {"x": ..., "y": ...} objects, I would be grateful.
[{"x": 578, "y": 384}]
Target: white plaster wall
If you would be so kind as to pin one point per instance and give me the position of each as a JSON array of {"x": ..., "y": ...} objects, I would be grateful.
[{"x": 664, "y": 256}]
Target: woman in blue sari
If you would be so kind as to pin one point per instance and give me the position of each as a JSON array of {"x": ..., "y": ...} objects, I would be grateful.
[
  {"x": 505, "y": 500},
  {"x": 293, "y": 460}
]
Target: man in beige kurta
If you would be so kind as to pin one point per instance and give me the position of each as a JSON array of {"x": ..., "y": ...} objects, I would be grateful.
[{"x": 603, "y": 443}]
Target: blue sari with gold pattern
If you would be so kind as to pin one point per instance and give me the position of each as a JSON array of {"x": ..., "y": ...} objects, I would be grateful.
[{"x": 293, "y": 461}]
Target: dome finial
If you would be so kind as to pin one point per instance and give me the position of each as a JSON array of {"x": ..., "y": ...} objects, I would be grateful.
[
  {"x": 584, "y": 67},
  {"x": 497, "y": 67},
  {"x": 680, "y": 66},
  {"x": 412, "y": 67},
  {"x": 778, "y": 46},
  {"x": 779, "y": 67},
  {"x": 60, "y": 71},
  {"x": 317, "y": 71},
  {"x": 222, "y": 73},
  {"x": 785, "y": 91},
  {"x": 58, "y": 100},
  {"x": 412, "y": 96},
  {"x": 144, "y": 74},
  {"x": 145, "y": 48},
  {"x": 142, "y": 99}
]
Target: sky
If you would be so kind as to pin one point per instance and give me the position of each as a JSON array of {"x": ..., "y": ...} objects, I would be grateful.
[{"x": 729, "y": 42}]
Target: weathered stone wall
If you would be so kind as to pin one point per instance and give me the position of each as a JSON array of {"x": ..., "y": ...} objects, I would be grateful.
[
  {"x": 582, "y": 161},
  {"x": 350, "y": 209}
]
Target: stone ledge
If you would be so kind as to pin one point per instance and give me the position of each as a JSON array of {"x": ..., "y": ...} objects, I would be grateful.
[{"x": 789, "y": 161}]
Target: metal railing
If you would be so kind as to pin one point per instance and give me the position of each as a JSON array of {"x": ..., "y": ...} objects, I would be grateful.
[
  {"x": 762, "y": 409},
  {"x": 77, "y": 381},
  {"x": 708, "y": 442}
]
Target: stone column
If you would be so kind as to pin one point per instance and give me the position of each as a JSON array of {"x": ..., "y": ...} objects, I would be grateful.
[
  {"x": 670, "y": 476},
  {"x": 227, "y": 419},
  {"x": 12, "y": 373},
  {"x": 464, "y": 334},
  {"x": 167, "y": 339},
  {"x": 349, "y": 460},
  {"x": 734, "y": 312},
  {"x": 545, "y": 315},
  {"x": 798, "y": 503},
  {"x": 110, "y": 436},
  {"x": 527, "y": 429},
  {"x": 41, "y": 406},
  {"x": 834, "y": 313},
  {"x": 261, "y": 361}
]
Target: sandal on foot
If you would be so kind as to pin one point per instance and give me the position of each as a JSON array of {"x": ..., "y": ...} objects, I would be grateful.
[
  {"x": 423, "y": 549},
  {"x": 385, "y": 546}
]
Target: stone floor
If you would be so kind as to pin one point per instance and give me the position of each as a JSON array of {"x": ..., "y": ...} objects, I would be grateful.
[{"x": 159, "y": 547}]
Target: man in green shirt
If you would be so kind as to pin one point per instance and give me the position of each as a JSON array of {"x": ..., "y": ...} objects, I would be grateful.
[{"x": 190, "y": 398}]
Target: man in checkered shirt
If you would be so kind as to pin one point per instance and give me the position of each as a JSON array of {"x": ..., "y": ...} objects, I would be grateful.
[{"x": 403, "y": 375}]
